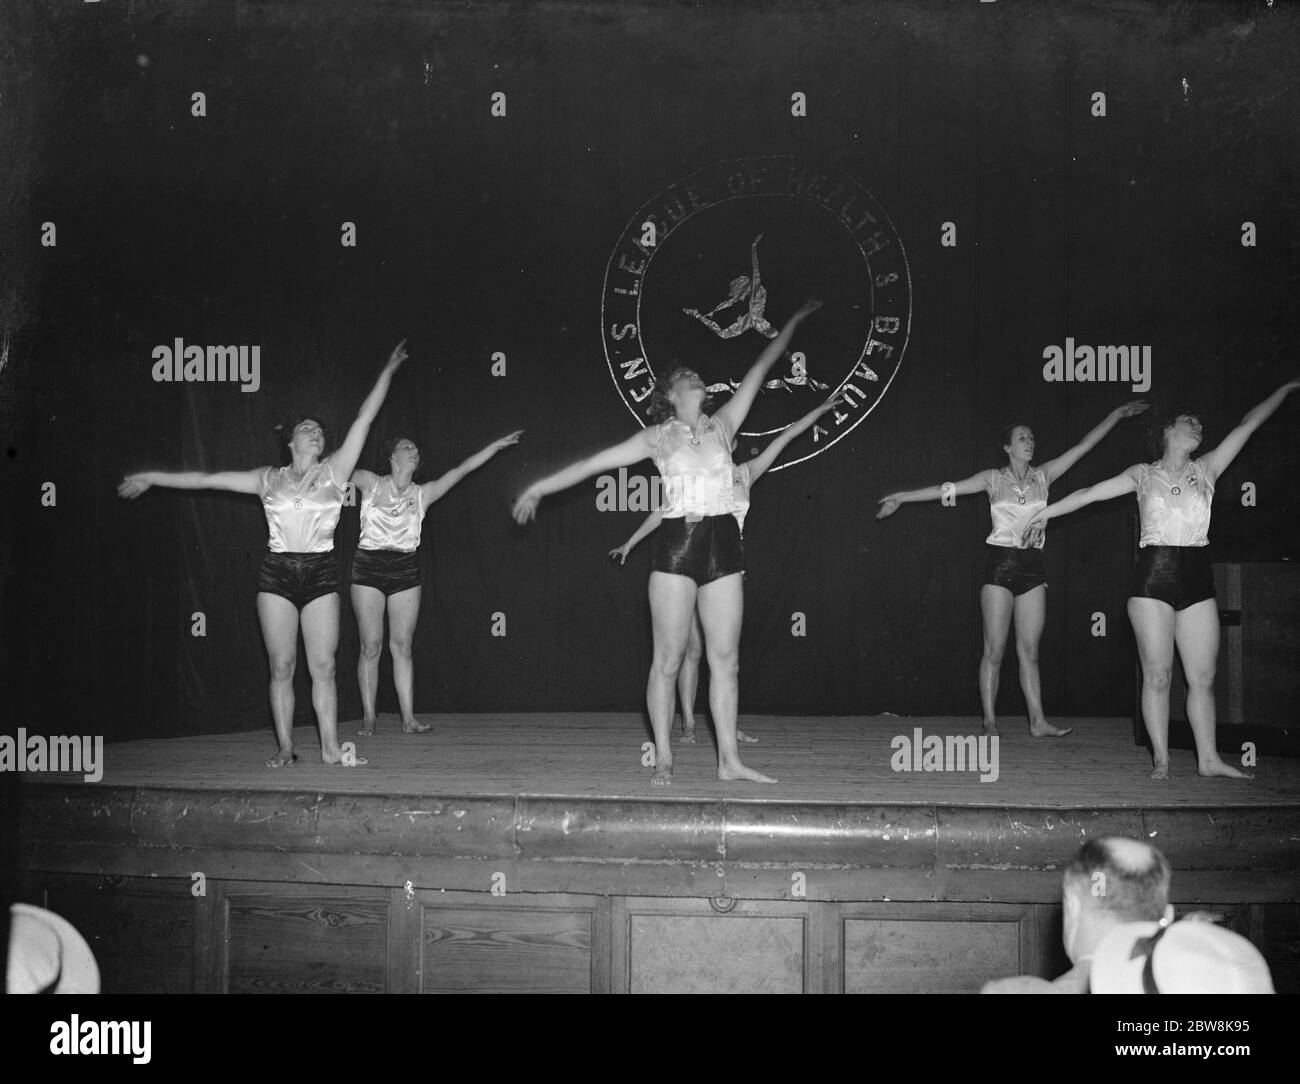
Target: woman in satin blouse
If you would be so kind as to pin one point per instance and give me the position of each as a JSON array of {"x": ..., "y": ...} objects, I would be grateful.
[
  {"x": 386, "y": 569},
  {"x": 298, "y": 582},
  {"x": 698, "y": 559},
  {"x": 1014, "y": 585},
  {"x": 1171, "y": 597}
]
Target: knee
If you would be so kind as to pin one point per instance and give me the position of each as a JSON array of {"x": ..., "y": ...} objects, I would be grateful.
[
  {"x": 1157, "y": 678},
  {"x": 1201, "y": 679},
  {"x": 993, "y": 654},
  {"x": 694, "y": 651},
  {"x": 1027, "y": 653},
  {"x": 370, "y": 649},
  {"x": 283, "y": 666},
  {"x": 724, "y": 662},
  {"x": 322, "y": 669},
  {"x": 400, "y": 647},
  {"x": 666, "y": 666}
]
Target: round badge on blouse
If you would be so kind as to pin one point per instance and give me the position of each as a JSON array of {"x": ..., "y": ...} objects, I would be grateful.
[
  {"x": 1175, "y": 491},
  {"x": 297, "y": 504},
  {"x": 1021, "y": 499}
]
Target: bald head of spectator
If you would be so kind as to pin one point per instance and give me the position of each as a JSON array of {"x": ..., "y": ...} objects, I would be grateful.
[{"x": 1111, "y": 881}]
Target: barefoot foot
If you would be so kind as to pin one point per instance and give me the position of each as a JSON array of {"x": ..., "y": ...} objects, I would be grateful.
[
  {"x": 282, "y": 759},
  {"x": 742, "y": 736},
  {"x": 734, "y": 771},
  {"x": 1047, "y": 730},
  {"x": 990, "y": 726},
  {"x": 367, "y": 728},
  {"x": 663, "y": 773},
  {"x": 1218, "y": 767},
  {"x": 1161, "y": 770},
  {"x": 414, "y": 726},
  {"x": 688, "y": 736}
]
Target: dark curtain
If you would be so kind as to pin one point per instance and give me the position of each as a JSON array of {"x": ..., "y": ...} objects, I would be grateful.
[{"x": 479, "y": 234}]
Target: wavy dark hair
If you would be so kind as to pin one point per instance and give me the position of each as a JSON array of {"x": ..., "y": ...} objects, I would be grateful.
[
  {"x": 661, "y": 408},
  {"x": 1159, "y": 418},
  {"x": 1007, "y": 433},
  {"x": 285, "y": 429},
  {"x": 386, "y": 451}
]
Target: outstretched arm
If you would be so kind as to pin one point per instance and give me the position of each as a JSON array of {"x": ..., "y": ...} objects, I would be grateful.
[
  {"x": 435, "y": 489},
  {"x": 974, "y": 484},
  {"x": 235, "y": 481},
  {"x": 1221, "y": 458},
  {"x": 344, "y": 460},
  {"x": 633, "y": 450},
  {"x": 1102, "y": 491},
  {"x": 364, "y": 480},
  {"x": 759, "y": 464},
  {"x": 650, "y": 525},
  {"x": 1054, "y": 468},
  {"x": 737, "y": 408}
]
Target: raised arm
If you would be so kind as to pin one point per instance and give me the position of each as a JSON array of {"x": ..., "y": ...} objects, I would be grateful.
[
  {"x": 648, "y": 526},
  {"x": 235, "y": 481},
  {"x": 437, "y": 488},
  {"x": 364, "y": 480},
  {"x": 1054, "y": 468},
  {"x": 976, "y": 483},
  {"x": 759, "y": 464},
  {"x": 636, "y": 448},
  {"x": 1102, "y": 491},
  {"x": 733, "y": 414},
  {"x": 1221, "y": 458},
  {"x": 344, "y": 460}
]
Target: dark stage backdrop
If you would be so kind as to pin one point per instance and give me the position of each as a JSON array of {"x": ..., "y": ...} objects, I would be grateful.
[{"x": 886, "y": 129}]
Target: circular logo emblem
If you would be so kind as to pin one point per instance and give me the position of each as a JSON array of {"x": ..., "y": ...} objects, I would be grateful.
[{"x": 707, "y": 272}]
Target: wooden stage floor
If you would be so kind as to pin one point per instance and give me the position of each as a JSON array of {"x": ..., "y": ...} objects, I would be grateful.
[{"x": 840, "y": 760}]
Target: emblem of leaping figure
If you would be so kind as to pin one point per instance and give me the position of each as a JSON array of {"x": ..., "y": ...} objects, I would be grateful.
[
  {"x": 750, "y": 288},
  {"x": 744, "y": 288}
]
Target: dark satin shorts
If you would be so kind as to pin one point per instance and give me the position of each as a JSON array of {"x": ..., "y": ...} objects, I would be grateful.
[
  {"x": 705, "y": 550},
  {"x": 1181, "y": 576},
  {"x": 299, "y": 577},
  {"x": 388, "y": 571},
  {"x": 1016, "y": 570}
]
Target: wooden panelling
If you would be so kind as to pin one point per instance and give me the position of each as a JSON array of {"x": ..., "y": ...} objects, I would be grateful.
[
  {"x": 153, "y": 936},
  {"x": 914, "y": 950},
  {"x": 141, "y": 932},
  {"x": 284, "y": 941},
  {"x": 490, "y": 948},
  {"x": 686, "y": 946}
]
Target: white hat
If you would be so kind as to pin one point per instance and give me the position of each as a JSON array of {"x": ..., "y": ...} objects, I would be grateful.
[
  {"x": 47, "y": 955},
  {"x": 1192, "y": 956}
]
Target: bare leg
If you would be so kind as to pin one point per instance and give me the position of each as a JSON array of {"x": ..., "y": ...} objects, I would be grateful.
[
  {"x": 403, "y": 613},
  {"x": 740, "y": 324},
  {"x": 1030, "y": 610},
  {"x": 279, "y": 620},
  {"x": 722, "y": 609},
  {"x": 368, "y": 605},
  {"x": 996, "y": 604},
  {"x": 320, "y": 638},
  {"x": 688, "y": 679},
  {"x": 1153, "y": 627},
  {"x": 672, "y": 604},
  {"x": 1196, "y": 632}
]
